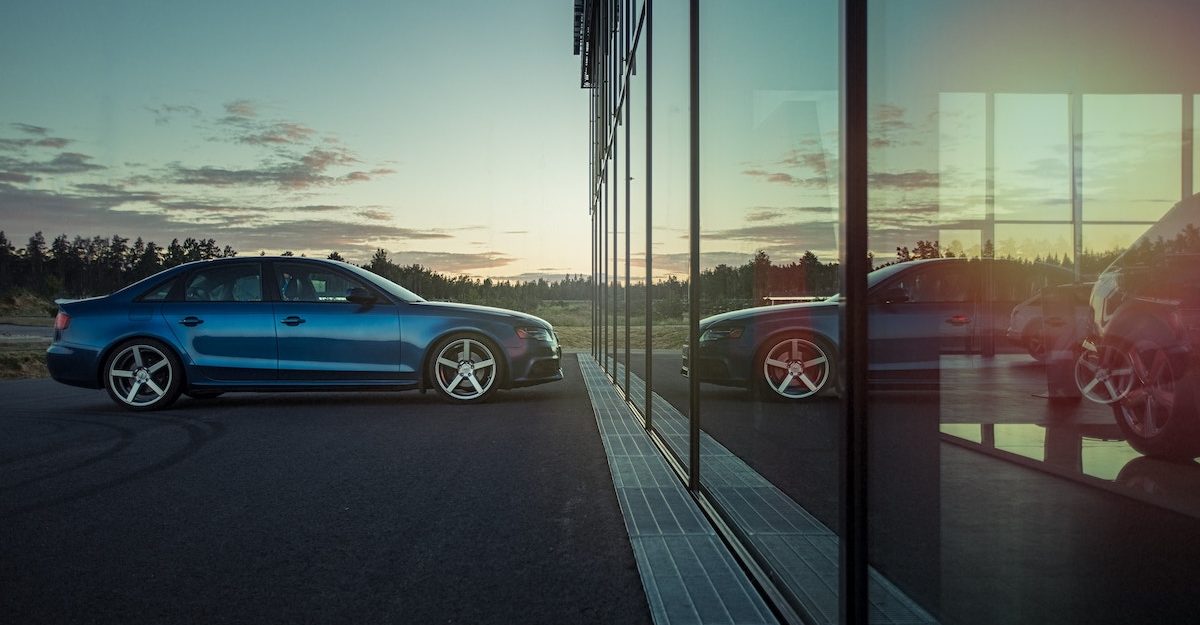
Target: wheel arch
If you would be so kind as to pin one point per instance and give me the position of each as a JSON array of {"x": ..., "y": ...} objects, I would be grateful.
[
  {"x": 501, "y": 354},
  {"x": 108, "y": 350}
]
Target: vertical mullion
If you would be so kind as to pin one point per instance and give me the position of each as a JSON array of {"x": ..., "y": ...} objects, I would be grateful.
[
  {"x": 853, "y": 592},
  {"x": 1189, "y": 155},
  {"x": 648, "y": 7},
  {"x": 694, "y": 246},
  {"x": 628, "y": 211},
  {"x": 1075, "y": 123}
]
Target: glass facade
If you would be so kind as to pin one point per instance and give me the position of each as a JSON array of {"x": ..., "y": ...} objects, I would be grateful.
[{"x": 991, "y": 419}]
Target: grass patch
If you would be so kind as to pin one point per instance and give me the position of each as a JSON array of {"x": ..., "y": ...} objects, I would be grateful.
[
  {"x": 667, "y": 338},
  {"x": 23, "y": 363},
  {"x": 23, "y": 320}
]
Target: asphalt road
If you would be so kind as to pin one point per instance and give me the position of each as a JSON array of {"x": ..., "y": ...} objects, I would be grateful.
[{"x": 319, "y": 508}]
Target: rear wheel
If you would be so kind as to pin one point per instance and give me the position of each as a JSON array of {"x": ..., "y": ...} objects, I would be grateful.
[
  {"x": 794, "y": 368},
  {"x": 465, "y": 369},
  {"x": 143, "y": 374}
]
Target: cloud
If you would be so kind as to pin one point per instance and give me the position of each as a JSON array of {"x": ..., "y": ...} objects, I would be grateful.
[
  {"x": 907, "y": 180},
  {"x": 453, "y": 262},
  {"x": 374, "y": 214},
  {"x": 277, "y": 133},
  {"x": 64, "y": 163},
  {"x": 290, "y": 172},
  {"x": 241, "y": 109},
  {"x": 763, "y": 215},
  {"x": 31, "y": 129},
  {"x": 164, "y": 114},
  {"x": 11, "y": 177}
]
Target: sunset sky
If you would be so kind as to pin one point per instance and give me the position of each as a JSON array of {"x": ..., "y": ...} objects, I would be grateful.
[{"x": 452, "y": 134}]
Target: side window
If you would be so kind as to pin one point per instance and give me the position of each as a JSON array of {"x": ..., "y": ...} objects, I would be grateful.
[
  {"x": 225, "y": 283},
  {"x": 939, "y": 284},
  {"x": 301, "y": 282},
  {"x": 159, "y": 293}
]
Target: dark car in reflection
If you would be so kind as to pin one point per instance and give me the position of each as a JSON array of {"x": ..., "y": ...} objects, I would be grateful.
[
  {"x": 291, "y": 324},
  {"x": 918, "y": 310},
  {"x": 1030, "y": 326},
  {"x": 1141, "y": 358}
]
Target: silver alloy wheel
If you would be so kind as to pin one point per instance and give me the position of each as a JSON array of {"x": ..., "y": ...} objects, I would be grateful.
[
  {"x": 795, "y": 368},
  {"x": 465, "y": 369},
  {"x": 1104, "y": 376},
  {"x": 1147, "y": 407},
  {"x": 140, "y": 375}
]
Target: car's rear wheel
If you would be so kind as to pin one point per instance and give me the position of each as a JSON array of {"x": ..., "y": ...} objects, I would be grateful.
[
  {"x": 1158, "y": 415},
  {"x": 795, "y": 367},
  {"x": 143, "y": 374},
  {"x": 465, "y": 368}
]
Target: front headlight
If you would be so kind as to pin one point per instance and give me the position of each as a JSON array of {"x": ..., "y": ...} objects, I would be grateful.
[
  {"x": 537, "y": 334},
  {"x": 713, "y": 334}
]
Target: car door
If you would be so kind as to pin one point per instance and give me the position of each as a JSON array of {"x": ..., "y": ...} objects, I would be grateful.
[
  {"x": 323, "y": 335},
  {"x": 919, "y": 315},
  {"x": 224, "y": 323}
]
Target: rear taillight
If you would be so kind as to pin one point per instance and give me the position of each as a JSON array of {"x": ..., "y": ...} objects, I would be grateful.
[{"x": 62, "y": 321}]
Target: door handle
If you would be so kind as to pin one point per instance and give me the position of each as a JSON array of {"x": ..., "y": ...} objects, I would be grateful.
[
  {"x": 191, "y": 321},
  {"x": 293, "y": 321},
  {"x": 959, "y": 320}
]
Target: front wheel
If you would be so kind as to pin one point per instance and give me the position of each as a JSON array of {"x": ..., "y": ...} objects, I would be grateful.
[
  {"x": 143, "y": 374},
  {"x": 795, "y": 368},
  {"x": 1158, "y": 415},
  {"x": 465, "y": 369}
]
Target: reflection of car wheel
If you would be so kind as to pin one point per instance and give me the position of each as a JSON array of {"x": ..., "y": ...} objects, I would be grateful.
[
  {"x": 795, "y": 367},
  {"x": 203, "y": 394},
  {"x": 143, "y": 374},
  {"x": 1157, "y": 415},
  {"x": 1105, "y": 375},
  {"x": 464, "y": 369},
  {"x": 1035, "y": 342}
]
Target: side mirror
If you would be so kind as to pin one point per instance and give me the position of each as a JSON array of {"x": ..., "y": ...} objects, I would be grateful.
[
  {"x": 360, "y": 296},
  {"x": 893, "y": 295}
]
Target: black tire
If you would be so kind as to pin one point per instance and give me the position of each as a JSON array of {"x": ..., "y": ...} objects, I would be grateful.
[
  {"x": 204, "y": 394},
  {"x": 1035, "y": 341},
  {"x": 470, "y": 380},
  {"x": 808, "y": 372},
  {"x": 1158, "y": 417},
  {"x": 143, "y": 374}
]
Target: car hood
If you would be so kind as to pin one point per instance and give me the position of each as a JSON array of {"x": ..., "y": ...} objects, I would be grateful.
[
  {"x": 746, "y": 314},
  {"x": 489, "y": 311}
]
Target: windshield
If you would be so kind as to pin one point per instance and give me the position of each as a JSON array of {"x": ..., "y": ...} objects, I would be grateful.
[
  {"x": 875, "y": 277},
  {"x": 387, "y": 285},
  {"x": 1177, "y": 233}
]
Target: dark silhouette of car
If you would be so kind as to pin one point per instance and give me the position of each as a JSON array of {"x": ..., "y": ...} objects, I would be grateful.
[
  {"x": 1141, "y": 357},
  {"x": 1029, "y": 326},
  {"x": 291, "y": 324},
  {"x": 917, "y": 311}
]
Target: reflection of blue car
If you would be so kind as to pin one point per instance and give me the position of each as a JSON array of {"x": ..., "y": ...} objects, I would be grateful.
[
  {"x": 269, "y": 324},
  {"x": 918, "y": 310},
  {"x": 1142, "y": 358}
]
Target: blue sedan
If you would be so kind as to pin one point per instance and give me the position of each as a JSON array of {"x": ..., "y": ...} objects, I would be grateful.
[{"x": 291, "y": 324}]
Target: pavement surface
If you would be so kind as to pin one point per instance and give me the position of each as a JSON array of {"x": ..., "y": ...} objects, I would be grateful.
[{"x": 310, "y": 508}]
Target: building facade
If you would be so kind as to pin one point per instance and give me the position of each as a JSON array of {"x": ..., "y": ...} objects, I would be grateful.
[{"x": 855, "y": 270}]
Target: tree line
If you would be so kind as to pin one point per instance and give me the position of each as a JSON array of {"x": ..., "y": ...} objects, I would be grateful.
[{"x": 81, "y": 267}]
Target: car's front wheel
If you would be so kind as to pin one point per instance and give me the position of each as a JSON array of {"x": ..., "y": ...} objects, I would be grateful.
[
  {"x": 465, "y": 368},
  {"x": 143, "y": 374},
  {"x": 1158, "y": 415},
  {"x": 795, "y": 367}
]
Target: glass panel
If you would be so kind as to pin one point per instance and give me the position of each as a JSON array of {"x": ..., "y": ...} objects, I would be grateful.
[
  {"x": 769, "y": 215},
  {"x": 1033, "y": 167},
  {"x": 1131, "y": 156},
  {"x": 226, "y": 283},
  {"x": 637, "y": 226},
  {"x": 308, "y": 283},
  {"x": 1032, "y": 445},
  {"x": 670, "y": 146}
]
